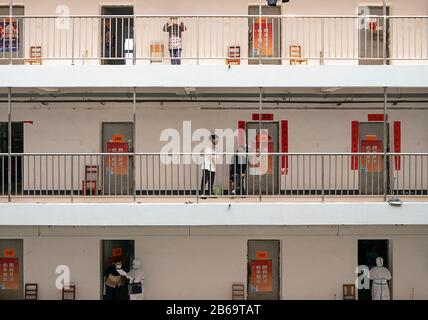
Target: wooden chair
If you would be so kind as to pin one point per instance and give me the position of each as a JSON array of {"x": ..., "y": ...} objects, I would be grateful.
[
  {"x": 234, "y": 55},
  {"x": 35, "y": 55},
  {"x": 349, "y": 292},
  {"x": 238, "y": 291},
  {"x": 69, "y": 293},
  {"x": 31, "y": 291},
  {"x": 90, "y": 184},
  {"x": 296, "y": 55},
  {"x": 156, "y": 52}
]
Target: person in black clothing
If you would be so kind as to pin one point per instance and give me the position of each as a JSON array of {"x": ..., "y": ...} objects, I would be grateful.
[
  {"x": 238, "y": 171},
  {"x": 175, "y": 46},
  {"x": 113, "y": 281}
]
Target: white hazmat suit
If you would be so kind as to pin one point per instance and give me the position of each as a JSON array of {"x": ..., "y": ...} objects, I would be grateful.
[
  {"x": 136, "y": 281},
  {"x": 380, "y": 276}
]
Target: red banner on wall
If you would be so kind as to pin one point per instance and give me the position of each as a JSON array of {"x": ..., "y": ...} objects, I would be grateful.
[
  {"x": 354, "y": 144},
  {"x": 397, "y": 144},
  {"x": 265, "y": 116},
  {"x": 267, "y": 38},
  {"x": 241, "y": 133},
  {"x": 117, "y": 165},
  {"x": 376, "y": 117}
]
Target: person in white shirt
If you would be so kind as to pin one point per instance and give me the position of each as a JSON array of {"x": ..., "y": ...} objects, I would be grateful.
[{"x": 209, "y": 166}]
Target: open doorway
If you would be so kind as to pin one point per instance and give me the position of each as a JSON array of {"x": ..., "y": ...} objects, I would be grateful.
[
  {"x": 113, "y": 251},
  {"x": 17, "y": 166},
  {"x": 368, "y": 251},
  {"x": 117, "y": 30}
]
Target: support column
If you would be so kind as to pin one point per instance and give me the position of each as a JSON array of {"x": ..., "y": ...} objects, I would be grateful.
[
  {"x": 9, "y": 145},
  {"x": 134, "y": 121},
  {"x": 385, "y": 143}
]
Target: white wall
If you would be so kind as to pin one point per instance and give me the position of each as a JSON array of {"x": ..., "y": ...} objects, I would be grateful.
[
  {"x": 317, "y": 267},
  {"x": 411, "y": 262},
  {"x": 315, "y": 261},
  {"x": 76, "y": 127}
]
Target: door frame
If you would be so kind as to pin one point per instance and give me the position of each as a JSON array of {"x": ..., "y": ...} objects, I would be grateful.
[
  {"x": 101, "y": 257},
  {"x": 390, "y": 261},
  {"x": 131, "y": 159},
  {"x": 280, "y": 45},
  {"x": 389, "y": 175},
  {"x": 18, "y": 177},
  {"x": 389, "y": 36},
  {"x": 277, "y": 174},
  {"x": 100, "y": 31},
  {"x": 22, "y": 54},
  {"x": 20, "y": 293},
  {"x": 279, "y": 297}
]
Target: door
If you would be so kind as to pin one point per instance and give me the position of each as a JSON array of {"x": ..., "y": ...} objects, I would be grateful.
[
  {"x": 111, "y": 250},
  {"x": 370, "y": 36},
  {"x": 118, "y": 170},
  {"x": 368, "y": 251},
  {"x": 17, "y": 167},
  {"x": 11, "y": 269},
  {"x": 117, "y": 30},
  {"x": 371, "y": 137},
  {"x": 263, "y": 270},
  {"x": 267, "y": 166},
  {"x": 271, "y": 35},
  {"x": 16, "y": 50}
]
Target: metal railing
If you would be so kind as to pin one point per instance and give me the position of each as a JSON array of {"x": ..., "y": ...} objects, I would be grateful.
[
  {"x": 215, "y": 39},
  {"x": 264, "y": 175}
]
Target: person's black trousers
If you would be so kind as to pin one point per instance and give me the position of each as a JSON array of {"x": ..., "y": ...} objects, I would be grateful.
[{"x": 207, "y": 178}]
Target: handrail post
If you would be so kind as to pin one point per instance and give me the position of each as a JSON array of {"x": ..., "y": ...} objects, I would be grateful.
[
  {"x": 322, "y": 54},
  {"x": 260, "y": 142},
  {"x": 260, "y": 39},
  {"x": 322, "y": 178},
  {"x": 134, "y": 32},
  {"x": 197, "y": 181},
  {"x": 10, "y": 33},
  {"x": 9, "y": 146},
  {"x": 384, "y": 35},
  {"x": 72, "y": 176},
  {"x": 72, "y": 40},
  {"x": 385, "y": 143},
  {"x": 134, "y": 161},
  {"x": 197, "y": 39}
]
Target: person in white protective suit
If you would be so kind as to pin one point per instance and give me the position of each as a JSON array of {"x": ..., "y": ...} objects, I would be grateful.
[
  {"x": 136, "y": 281},
  {"x": 380, "y": 276}
]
